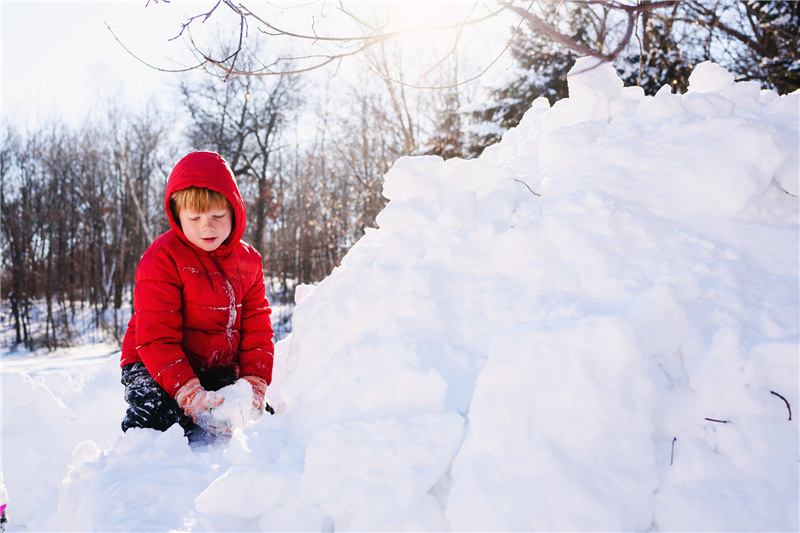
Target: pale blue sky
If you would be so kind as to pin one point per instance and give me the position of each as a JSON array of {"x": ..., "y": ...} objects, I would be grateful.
[{"x": 59, "y": 57}]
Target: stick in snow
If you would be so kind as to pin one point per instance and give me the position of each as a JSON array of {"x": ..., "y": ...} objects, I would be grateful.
[
  {"x": 528, "y": 186},
  {"x": 789, "y": 407},
  {"x": 672, "y": 453}
]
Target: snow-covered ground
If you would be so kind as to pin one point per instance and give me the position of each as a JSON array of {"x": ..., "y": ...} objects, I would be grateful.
[{"x": 594, "y": 326}]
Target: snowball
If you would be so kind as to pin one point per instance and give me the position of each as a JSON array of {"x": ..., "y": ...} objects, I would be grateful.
[{"x": 236, "y": 409}]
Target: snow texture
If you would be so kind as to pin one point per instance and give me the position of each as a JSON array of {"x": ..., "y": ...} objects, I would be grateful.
[{"x": 594, "y": 326}]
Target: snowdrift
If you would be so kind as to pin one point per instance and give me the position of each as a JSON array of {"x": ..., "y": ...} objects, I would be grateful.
[{"x": 594, "y": 326}]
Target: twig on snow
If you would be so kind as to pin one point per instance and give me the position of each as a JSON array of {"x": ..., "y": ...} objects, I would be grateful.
[
  {"x": 672, "y": 453},
  {"x": 527, "y": 186},
  {"x": 789, "y": 407}
]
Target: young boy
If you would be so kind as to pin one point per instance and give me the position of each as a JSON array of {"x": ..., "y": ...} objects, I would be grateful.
[{"x": 201, "y": 318}]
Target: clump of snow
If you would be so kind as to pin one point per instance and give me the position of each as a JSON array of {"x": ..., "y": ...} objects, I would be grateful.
[
  {"x": 235, "y": 411},
  {"x": 594, "y": 326}
]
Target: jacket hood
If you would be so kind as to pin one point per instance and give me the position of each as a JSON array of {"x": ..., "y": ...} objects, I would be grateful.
[{"x": 210, "y": 170}]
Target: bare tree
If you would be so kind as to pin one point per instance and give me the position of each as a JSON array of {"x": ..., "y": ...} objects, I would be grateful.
[
  {"x": 78, "y": 210},
  {"x": 19, "y": 202},
  {"x": 243, "y": 119},
  {"x": 133, "y": 158},
  {"x": 319, "y": 45}
]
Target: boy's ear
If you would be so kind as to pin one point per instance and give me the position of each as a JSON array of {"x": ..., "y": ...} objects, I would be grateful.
[{"x": 173, "y": 207}]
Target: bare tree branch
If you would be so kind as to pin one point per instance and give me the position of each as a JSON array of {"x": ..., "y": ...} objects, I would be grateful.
[
  {"x": 160, "y": 69},
  {"x": 227, "y": 63}
]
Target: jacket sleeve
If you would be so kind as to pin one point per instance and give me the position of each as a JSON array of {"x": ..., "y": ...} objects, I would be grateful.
[
  {"x": 129, "y": 354},
  {"x": 256, "y": 350},
  {"x": 158, "y": 300}
]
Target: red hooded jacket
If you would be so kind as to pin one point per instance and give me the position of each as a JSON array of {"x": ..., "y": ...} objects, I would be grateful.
[{"x": 198, "y": 311}]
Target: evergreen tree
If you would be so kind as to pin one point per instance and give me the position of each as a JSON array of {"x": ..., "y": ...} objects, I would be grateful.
[
  {"x": 541, "y": 67},
  {"x": 447, "y": 140}
]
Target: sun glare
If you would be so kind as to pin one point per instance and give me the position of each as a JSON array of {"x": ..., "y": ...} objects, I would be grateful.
[{"x": 432, "y": 31}]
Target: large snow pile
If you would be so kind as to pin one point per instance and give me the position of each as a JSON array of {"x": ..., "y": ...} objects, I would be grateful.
[{"x": 594, "y": 326}]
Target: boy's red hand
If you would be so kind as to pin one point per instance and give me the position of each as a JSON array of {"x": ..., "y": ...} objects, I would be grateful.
[
  {"x": 259, "y": 390},
  {"x": 193, "y": 398}
]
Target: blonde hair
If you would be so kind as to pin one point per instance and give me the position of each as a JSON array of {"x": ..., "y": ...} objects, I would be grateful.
[{"x": 198, "y": 200}]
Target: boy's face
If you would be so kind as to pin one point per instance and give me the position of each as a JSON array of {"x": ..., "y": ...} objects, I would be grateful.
[{"x": 206, "y": 230}]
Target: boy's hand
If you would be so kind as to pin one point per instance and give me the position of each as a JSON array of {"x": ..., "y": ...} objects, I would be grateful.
[
  {"x": 259, "y": 391},
  {"x": 194, "y": 399}
]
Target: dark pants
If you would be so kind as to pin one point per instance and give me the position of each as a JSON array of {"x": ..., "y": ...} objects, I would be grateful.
[{"x": 149, "y": 405}]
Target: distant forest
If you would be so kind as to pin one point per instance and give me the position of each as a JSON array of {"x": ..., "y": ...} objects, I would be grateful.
[{"x": 81, "y": 204}]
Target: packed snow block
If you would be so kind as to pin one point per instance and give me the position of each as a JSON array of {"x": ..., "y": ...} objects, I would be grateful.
[
  {"x": 781, "y": 116},
  {"x": 573, "y": 450},
  {"x": 661, "y": 139},
  {"x": 384, "y": 468},
  {"x": 773, "y": 121},
  {"x": 268, "y": 488},
  {"x": 521, "y": 143},
  {"x": 417, "y": 177},
  {"x": 596, "y": 92},
  {"x": 446, "y": 193}
]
